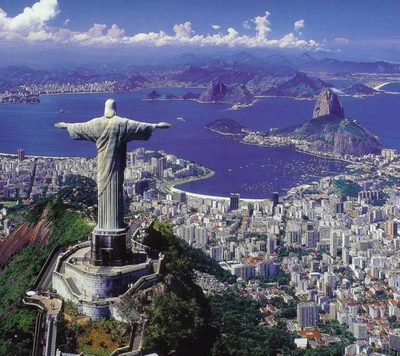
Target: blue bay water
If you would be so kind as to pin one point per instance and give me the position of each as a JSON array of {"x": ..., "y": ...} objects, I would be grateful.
[{"x": 254, "y": 172}]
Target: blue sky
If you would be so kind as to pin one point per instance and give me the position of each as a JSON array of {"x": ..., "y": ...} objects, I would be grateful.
[{"x": 346, "y": 29}]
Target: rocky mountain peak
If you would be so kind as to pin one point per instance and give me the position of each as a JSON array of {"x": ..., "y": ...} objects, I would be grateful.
[
  {"x": 328, "y": 103},
  {"x": 219, "y": 88}
]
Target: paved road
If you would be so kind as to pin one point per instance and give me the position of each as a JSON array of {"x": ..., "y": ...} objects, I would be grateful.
[
  {"x": 51, "y": 334},
  {"x": 45, "y": 281}
]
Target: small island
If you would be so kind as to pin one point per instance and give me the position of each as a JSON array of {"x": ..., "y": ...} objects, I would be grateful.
[
  {"x": 154, "y": 95},
  {"x": 226, "y": 127}
]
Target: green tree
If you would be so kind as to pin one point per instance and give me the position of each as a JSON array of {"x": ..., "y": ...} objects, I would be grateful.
[{"x": 175, "y": 325}]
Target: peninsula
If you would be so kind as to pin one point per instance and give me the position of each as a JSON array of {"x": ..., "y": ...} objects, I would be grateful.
[{"x": 328, "y": 134}]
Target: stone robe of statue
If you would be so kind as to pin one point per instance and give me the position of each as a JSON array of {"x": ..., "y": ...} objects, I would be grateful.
[{"x": 111, "y": 134}]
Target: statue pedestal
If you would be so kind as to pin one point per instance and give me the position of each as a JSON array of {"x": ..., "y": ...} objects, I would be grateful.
[{"x": 110, "y": 247}]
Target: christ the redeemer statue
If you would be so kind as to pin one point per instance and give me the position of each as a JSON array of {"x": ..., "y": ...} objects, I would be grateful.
[{"x": 111, "y": 134}]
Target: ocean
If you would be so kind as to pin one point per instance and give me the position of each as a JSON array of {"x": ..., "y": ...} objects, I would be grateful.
[{"x": 254, "y": 172}]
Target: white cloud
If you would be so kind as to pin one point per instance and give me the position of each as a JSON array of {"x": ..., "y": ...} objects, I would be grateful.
[
  {"x": 262, "y": 25},
  {"x": 183, "y": 30},
  {"x": 97, "y": 30},
  {"x": 31, "y": 19},
  {"x": 115, "y": 32},
  {"x": 299, "y": 24},
  {"x": 341, "y": 41},
  {"x": 246, "y": 25},
  {"x": 40, "y": 35},
  {"x": 66, "y": 22},
  {"x": 34, "y": 26}
]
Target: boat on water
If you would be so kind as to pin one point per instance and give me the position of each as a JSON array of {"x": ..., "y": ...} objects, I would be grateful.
[{"x": 180, "y": 118}]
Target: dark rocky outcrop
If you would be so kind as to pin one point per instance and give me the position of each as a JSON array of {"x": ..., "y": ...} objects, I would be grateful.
[
  {"x": 235, "y": 94},
  {"x": 336, "y": 135},
  {"x": 359, "y": 89},
  {"x": 216, "y": 92},
  {"x": 330, "y": 132},
  {"x": 153, "y": 95},
  {"x": 328, "y": 104}
]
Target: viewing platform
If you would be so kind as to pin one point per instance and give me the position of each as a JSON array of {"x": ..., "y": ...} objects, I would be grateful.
[{"x": 96, "y": 290}]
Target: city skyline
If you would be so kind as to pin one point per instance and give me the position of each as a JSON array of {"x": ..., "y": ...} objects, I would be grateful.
[{"x": 347, "y": 30}]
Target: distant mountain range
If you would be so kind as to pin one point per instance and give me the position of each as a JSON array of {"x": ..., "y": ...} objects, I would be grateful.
[
  {"x": 273, "y": 75},
  {"x": 236, "y": 94},
  {"x": 245, "y": 61},
  {"x": 298, "y": 85}
]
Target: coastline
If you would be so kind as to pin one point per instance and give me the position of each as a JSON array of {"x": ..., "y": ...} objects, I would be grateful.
[
  {"x": 326, "y": 155},
  {"x": 215, "y": 197},
  {"x": 171, "y": 188},
  {"x": 80, "y": 93},
  {"x": 224, "y": 133},
  {"x": 322, "y": 156},
  {"x": 15, "y": 155},
  {"x": 174, "y": 186}
]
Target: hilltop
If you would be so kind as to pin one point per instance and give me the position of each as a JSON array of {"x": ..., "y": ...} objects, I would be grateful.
[
  {"x": 330, "y": 131},
  {"x": 359, "y": 90},
  {"x": 221, "y": 93},
  {"x": 298, "y": 85}
]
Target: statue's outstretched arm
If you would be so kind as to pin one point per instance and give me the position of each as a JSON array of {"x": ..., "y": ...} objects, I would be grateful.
[
  {"x": 81, "y": 131},
  {"x": 163, "y": 125},
  {"x": 61, "y": 125}
]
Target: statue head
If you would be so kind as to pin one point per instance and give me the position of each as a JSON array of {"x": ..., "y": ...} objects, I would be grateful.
[{"x": 110, "y": 108}]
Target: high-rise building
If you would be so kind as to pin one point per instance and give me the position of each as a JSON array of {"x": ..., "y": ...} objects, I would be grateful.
[
  {"x": 346, "y": 256},
  {"x": 388, "y": 153},
  {"x": 243, "y": 271},
  {"x": 330, "y": 278},
  {"x": 307, "y": 314},
  {"x": 179, "y": 197},
  {"x": 391, "y": 228},
  {"x": 333, "y": 310},
  {"x": 339, "y": 208},
  {"x": 161, "y": 166},
  {"x": 234, "y": 201},
  {"x": 275, "y": 198},
  {"x": 217, "y": 253},
  {"x": 360, "y": 331},
  {"x": 21, "y": 154},
  {"x": 271, "y": 244},
  {"x": 333, "y": 243}
]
